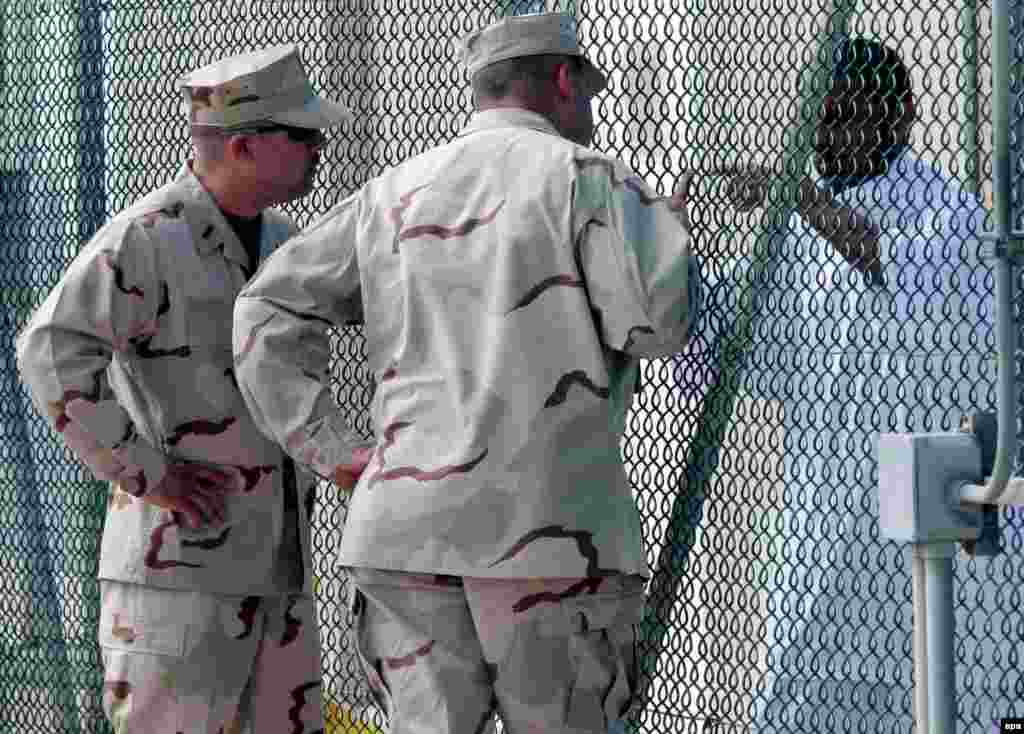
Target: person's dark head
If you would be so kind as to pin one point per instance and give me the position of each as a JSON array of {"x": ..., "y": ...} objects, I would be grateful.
[
  {"x": 257, "y": 127},
  {"x": 534, "y": 62},
  {"x": 867, "y": 113}
]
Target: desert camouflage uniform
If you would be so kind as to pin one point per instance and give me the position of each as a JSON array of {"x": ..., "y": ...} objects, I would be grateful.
[
  {"x": 130, "y": 358},
  {"x": 511, "y": 281}
]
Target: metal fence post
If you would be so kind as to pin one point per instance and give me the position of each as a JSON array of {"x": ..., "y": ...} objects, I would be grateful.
[
  {"x": 972, "y": 149},
  {"x": 937, "y": 702}
]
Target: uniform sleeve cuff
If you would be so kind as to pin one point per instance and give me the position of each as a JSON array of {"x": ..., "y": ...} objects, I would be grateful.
[{"x": 144, "y": 467}]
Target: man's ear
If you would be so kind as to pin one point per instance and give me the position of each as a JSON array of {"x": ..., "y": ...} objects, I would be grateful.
[
  {"x": 564, "y": 82},
  {"x": 906, "y": 120},
  {"x": 239, "y": 147},
  {"x": 909, "y": 111}
]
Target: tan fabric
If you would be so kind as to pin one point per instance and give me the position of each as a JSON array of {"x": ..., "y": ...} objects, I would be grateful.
[
  {"x": 528, "y": 35},
  {"x": 184, "y": 662},
  {"x": 510, "y": 282},
  {"x": 263, "y": 86},
  {"x": 129, "y": 357},
  {"x": 444, "y": 654}
]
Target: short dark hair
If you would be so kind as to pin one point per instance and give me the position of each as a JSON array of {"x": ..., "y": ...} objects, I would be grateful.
[
  {"x": 495, "y": 80},
  {"x": 874, "y": 67}
]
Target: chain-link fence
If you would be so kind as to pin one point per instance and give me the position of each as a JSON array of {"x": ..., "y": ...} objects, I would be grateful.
[{"x": 775, "y": 605}]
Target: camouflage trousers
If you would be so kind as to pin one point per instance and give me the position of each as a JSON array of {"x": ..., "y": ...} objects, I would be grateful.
[
  {"x": 445, "y": 654},
  {"x": 186, "y": 662}
]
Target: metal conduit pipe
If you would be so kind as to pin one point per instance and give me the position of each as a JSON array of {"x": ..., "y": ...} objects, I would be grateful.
[
  {"x": 994, "y": 491},
  {"x": 920, "y": 643}
]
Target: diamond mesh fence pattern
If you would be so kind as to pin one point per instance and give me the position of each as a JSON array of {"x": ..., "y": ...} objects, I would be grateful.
[{"x": 775, "y": 605}]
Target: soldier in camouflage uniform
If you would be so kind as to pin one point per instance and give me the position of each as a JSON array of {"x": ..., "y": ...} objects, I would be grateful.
[
  {"x": 207, "y": 616},
  {"x": 511, "y": 281}
]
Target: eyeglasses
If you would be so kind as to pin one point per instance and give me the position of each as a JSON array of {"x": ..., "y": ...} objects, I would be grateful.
[{"x": 304, "y": 135}]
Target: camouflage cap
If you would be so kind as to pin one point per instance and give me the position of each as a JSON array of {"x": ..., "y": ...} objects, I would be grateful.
[
  {"x": 267, "y": 86},
  {"x": 528, "y": 35}
]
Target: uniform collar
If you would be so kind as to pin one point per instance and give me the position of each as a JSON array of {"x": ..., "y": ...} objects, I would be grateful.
[
  {"x": 508, "y": 117},
  {"x": 210, "y": 230}
]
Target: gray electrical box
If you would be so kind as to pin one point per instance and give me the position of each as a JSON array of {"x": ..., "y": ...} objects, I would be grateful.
[{"x": 917, "y": 478}]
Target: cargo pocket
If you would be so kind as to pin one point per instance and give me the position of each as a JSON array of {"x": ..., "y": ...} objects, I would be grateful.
[
  {"x": 602, "y": 649},
  {"x": 143, "y": 636},
  {"x": 372, "y": 670},
  {"x": 134, "y": 649}
]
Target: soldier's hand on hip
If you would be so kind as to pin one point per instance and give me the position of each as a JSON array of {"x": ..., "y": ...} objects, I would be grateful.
[
  {"x": 680, "y": 200},
  {"x": 195, "y": 492}
]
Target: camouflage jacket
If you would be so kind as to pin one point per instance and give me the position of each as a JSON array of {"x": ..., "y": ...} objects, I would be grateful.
[
  {"x": 129, "y": 358},
  {"x": 510, "y": 280}
]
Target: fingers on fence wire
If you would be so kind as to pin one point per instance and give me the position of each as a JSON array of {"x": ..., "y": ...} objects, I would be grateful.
[{"x": 680, "y": 201}]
